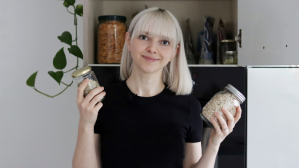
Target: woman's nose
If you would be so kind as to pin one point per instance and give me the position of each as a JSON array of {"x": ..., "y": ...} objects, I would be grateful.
[{"x": 152, "y": 48}]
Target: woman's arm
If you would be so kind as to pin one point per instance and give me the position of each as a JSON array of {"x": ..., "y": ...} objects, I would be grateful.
[
  {"x": 217, "y": 135},
  {"x": 208, "y": 158},
  {"x": 85, "y": 153}
]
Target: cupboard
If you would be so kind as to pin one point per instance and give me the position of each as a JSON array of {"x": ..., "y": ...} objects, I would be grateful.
[{"x": 268, "y": 29}]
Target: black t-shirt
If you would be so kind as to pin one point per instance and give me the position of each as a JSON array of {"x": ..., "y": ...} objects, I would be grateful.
[{"x": 146, "y": 132}]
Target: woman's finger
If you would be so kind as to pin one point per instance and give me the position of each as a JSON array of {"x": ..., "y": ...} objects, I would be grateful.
[
  {"x": 230, "y": 119},
  {"x": 98, "y": 106},
  {"x": 93, "y": 93},
  {"x": 80, "y": 93},
  {"x": 97, "y": 99},
  {"x": 238, "y": 114},
  {"x": 215, "y": 124},
  {"x": 224, "y": 127}
]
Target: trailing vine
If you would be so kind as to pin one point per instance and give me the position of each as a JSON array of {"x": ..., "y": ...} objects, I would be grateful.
[{"x": 59, "y": 61}]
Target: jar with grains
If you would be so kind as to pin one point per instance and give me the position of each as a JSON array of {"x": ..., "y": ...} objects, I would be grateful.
[
  {"x": 230, "y": 57},
  {"x": 228, "y": 98},
  {"x": 111, "y": 38},
  {"x": 226, "y": 45},
  {"x": 81, "y": 74}
]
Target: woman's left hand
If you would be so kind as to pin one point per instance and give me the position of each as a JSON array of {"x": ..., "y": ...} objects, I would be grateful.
[{"x": 217, "y": 135}]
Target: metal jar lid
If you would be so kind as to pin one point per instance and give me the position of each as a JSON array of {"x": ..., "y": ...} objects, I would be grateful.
[
  {"x": 112, "y": 17},
  {"x": 81, "y": 71},
  {"x": 234, "y": 91},
  {"x": 227, "y": 41},
  {"x": 230, "y": 52}
]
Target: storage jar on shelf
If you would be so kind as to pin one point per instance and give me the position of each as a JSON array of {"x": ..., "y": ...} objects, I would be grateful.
[
  {"x": 111, "y": 38},
  {"x": 226, "y": 45}
]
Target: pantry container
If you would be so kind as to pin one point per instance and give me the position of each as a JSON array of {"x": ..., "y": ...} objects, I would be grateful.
[
  {"x": 81, "y": 74},
  {"x": 111, "y": 38},
  {"x": 229, "y": 98},
  {"x": 226, "y": 45}
]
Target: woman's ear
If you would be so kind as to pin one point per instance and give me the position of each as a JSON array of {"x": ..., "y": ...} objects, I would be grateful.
[
  {"x": 128, "y": 41},
  {"x": 177, "y": 50}
]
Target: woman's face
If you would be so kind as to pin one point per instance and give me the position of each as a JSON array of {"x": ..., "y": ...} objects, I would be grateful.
[{"x": 150, "y": 53}]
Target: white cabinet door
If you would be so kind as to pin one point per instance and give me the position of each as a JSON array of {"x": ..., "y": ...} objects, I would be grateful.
[
  {"x": 272, "y": 118},
  {"x": 270, "y": 32}
]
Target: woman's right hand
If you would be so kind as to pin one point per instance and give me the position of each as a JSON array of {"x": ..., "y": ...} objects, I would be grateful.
[{"x": 88, "y": 106}]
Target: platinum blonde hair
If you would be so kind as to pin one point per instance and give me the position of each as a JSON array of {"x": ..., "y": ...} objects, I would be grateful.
[{"x": 161, "y": 23}]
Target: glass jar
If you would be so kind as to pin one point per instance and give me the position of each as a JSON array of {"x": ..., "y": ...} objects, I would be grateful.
[
  {"x": 111, "y": 38},
  {"x": 228, "y": 98},
  {"x": 226, "y": 45},
  {"x": 81, "y": 74},
  {"x": 230, "y": 57}
]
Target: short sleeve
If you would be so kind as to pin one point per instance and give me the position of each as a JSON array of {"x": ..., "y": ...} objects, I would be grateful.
[{"x": 194, "y": 133}]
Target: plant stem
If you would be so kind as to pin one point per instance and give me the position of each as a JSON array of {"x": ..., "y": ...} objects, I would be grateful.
[
  {"x": 71, "y": 69},
  {"x": 56, "y": 94},
  {"x": 69, "y": 11},
  {"x": 76, "y": 35},
  {"x": 66, "y": 84}
]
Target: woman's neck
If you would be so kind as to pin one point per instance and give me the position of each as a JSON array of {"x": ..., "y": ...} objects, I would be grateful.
[{"x": 145, "y": 87}]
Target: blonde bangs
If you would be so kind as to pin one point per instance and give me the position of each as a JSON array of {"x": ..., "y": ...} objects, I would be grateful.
[{"x": 157, "y": 24}]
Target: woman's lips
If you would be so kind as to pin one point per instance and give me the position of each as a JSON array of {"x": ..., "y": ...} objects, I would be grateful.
[{"x": 148, "y": 59}]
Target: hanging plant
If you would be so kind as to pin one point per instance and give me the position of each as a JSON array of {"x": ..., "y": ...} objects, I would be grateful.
[{"x": 59, "y": 61}]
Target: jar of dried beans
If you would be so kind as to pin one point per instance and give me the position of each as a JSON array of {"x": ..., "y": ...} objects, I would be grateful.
[
  {"x": 111, "y": 38},
  {"x": 81, "y": 74},
  {"x": 228, "y": 98}
]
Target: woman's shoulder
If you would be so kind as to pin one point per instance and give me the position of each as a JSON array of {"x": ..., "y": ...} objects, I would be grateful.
[
  {"x": 114, "y": 87},
  {"x": 186, "y": 98}
]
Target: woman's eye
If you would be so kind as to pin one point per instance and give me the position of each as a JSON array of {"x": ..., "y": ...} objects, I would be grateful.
[
  {"x": 142, "y": 37},
  {"x": 165, "y": 42}
]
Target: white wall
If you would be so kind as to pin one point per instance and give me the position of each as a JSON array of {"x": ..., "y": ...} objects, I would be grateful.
[{"x": 36, "y": 131}]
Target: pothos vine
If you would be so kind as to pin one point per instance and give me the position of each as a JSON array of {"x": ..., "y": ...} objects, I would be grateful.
[{"x": 59, "y": 61}]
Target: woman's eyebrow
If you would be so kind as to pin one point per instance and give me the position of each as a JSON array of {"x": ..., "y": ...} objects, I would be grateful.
[{"x": 151, "y": 35}]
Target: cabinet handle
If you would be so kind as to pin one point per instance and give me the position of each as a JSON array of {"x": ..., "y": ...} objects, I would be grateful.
[{"x": 239, "y": 38}]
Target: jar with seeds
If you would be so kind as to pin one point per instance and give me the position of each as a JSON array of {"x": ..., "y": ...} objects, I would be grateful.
[
  {"x": 85, "y": 72},
  {"x": 228, "y": 98}
]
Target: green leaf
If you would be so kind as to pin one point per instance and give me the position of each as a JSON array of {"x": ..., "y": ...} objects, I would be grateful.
[
  {"x": 31, "y": 80},
  {"x": 59, "y": 60},
  {"x": 56, "y": 75},
  {"x": 69, "y": 2},
  {"x": 66, "y": 4},
  {"x": 66, "y": 37},
  {"x": 79, "y": 10},
  {"x": 75, "y": 50}
]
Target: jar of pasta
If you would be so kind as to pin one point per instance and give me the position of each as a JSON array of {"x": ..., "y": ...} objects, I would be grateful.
[
  {"x": 81, "y": 74},
  {"x": 228, "y": 98},
  {"x": 111, "y": 38}
]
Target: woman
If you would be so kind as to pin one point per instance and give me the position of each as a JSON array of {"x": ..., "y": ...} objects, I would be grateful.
[{"x": 149, "y": 119}]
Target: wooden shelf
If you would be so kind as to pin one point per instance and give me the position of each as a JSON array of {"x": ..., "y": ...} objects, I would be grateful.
[{"x": 190, "y": 65}]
